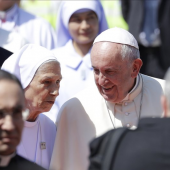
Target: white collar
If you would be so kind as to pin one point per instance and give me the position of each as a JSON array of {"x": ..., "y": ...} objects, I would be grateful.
[
  {"x": 4, "y": 160},
  {"x": 9, "y": 13},
  {"x": 74, "y": 60}
]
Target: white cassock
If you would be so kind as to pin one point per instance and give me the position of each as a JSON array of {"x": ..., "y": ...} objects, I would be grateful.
[
  {"x": 34, "y": 29},
  {"x": 77, "y": 73},
  {"x": 38, "y": 140},
  {"x": 86, "y": 116},
  {"x": 11, "y": 41}
]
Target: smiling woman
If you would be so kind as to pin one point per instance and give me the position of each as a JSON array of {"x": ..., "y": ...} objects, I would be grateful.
[{"x": 39, "y": 73}]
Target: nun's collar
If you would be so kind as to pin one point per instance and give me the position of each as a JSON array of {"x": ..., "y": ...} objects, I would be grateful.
[{"x": 74, "y": 60}]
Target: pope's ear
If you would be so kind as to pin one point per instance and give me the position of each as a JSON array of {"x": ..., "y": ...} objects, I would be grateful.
[{"x": 137, "y": 64}]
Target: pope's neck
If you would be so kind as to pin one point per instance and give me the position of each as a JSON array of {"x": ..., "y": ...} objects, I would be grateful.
[
  {"x": 82, "y": 49},
  {"x": 133, "y": 85}
]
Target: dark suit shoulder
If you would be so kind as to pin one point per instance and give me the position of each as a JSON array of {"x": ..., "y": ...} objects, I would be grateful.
[{"x": 20, "y": 163}]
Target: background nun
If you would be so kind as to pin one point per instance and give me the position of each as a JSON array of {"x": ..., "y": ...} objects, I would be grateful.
[
  {"x": 39, "y": 72},
  {"x": 79, "y": 22}
]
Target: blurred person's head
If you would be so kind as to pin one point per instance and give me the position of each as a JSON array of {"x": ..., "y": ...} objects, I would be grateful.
[
  {"x": 165, "y": 100},
  {"x": 116, "y": 62},
  {"x": 40, "y": 75},
  {"x": 80, "y": 21},
  {"x": 7, "y": 4},
  {"x": 12, "y": 106}
]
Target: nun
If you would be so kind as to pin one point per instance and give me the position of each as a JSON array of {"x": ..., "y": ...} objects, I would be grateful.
[
  {"x": 79, "y": 22},
  {"x": 39, "y": 72},
  {"x": 33, "y": 29}
]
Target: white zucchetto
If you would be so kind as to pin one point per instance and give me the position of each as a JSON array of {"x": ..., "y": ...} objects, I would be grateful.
[
  {"x": 26, "y": 61},
  {"x": 117, "y": 35}
]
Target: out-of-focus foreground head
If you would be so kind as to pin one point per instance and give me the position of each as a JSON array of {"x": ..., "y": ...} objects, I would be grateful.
[
  {"x": 11, "y": 108},
  {"x": 116, "y": 62},
  {"x": 165, "y": 100},
  {"x": 7, "y": 4}
]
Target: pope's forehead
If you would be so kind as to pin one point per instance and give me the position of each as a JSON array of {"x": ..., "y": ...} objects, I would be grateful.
[{"x": 105, "y": 49}]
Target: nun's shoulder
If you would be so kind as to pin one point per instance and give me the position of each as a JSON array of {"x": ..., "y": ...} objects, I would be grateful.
[{"x": 26, "y": 18}]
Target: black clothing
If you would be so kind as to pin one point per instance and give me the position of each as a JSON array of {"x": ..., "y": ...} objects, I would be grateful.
[
  {"x": 133, "y": 12},
  {"x": 4, "y": 54},
  {"x": 20, "y": 163},
  {"x": 146, "y": 148}
]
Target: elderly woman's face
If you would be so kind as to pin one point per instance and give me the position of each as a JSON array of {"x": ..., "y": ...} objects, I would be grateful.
[{"x": 44, "y": 88}]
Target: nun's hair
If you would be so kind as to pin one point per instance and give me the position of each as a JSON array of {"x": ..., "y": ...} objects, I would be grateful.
[
  {"x": 167, "y": 87},
  {"x": 130, "y": 53},
  {"x": 4, "y": 75}
]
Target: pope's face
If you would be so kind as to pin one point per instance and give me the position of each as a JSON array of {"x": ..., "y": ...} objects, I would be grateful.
[
  {"x": 83, "y": 27},
  {"x": 44, "y": 88},
  {"x": 11, "y": 121},
  {"x": 114, "y": 77}
]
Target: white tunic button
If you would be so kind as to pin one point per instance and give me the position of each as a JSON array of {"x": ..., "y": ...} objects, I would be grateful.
[
  {"x": 127, "y": 113},
  {"x": 128, "y": 125},
  {"x": 125, "y": 104}
]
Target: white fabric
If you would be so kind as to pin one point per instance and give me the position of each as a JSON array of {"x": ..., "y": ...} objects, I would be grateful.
[
  {"x": 34, "y": 29},
  {"x": 85, "y": 117},
  {"x": 117, "y": 35},
  {"x": 67, "y": 8},
  {"x": 26, "y": 61},
  {"x": 76, "y": 75},
  {"x": 24, "y": 65},
  {"x": 11, "y": 41},
  {"x": 42, "y": 130}
]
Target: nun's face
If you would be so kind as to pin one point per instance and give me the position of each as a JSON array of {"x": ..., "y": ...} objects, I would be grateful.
[
  {"x": 44, "y": 88},
  {"x": 83, "y": 27}
]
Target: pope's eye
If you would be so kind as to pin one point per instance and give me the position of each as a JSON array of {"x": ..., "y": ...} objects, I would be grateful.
[
  {"x": 58, "y": 81},
  {"x": 96, "y": 71},
  {"x": 46, "y": 82}
]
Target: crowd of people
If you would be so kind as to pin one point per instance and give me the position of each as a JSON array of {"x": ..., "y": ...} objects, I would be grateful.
[{"x": 76, "y": 99}]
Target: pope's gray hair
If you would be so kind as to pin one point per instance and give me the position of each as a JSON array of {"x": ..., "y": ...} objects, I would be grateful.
[
  {"x": 167, "y": 87},
  {"x": 130, "y": 53}
]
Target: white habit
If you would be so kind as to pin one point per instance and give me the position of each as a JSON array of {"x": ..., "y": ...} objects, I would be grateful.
[
  {"x": 34, "y": 133},
  {"x": 24, "y": 65},
  {"x": 11, "y": 41},
  {"x": 86, "y": 116},
  {"x": 34, "y": 29}
]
